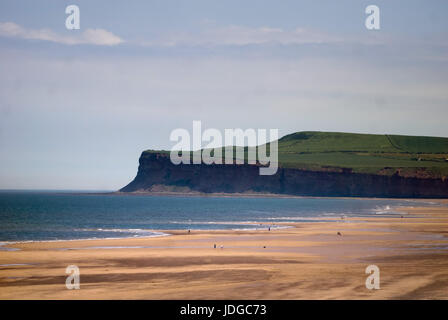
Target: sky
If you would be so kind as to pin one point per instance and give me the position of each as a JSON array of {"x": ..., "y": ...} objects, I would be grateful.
[{"x": 77, "y": 107}]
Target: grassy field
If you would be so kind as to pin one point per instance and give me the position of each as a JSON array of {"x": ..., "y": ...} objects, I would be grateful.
[
  {"x": 412, "y": 156},
  {"x": 367, "y": 153}
]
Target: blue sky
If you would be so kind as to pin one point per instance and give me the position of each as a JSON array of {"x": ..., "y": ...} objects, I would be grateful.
[{"x": 77, "y": 107}]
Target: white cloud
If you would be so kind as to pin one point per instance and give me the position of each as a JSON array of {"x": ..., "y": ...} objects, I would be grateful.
[
  {"x": 237, "y": 35},
  {"x": 101, "y": 37},
  {"x": 89, "y": 36},
  {"x": 241, "y": 35}
]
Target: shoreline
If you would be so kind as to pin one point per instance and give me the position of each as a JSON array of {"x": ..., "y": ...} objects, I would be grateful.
[
  {"x": 273, "y": 225},
  {"x": 163, "y": 233},
  {"x": 308, "y": 261},
  {"x": 267, "y": 224}
]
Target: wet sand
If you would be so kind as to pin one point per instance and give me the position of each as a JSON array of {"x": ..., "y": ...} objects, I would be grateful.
[{"x": 307, "y": 261}]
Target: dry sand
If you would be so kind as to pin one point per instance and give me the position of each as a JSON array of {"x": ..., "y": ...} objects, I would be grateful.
[{"x": 307, "y": 261}]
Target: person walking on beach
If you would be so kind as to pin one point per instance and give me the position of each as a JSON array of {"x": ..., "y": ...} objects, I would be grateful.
[{"x": 214, "y": 246}]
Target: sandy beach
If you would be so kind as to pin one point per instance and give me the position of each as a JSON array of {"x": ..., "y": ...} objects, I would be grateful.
[{"x": 305, "y": 261}]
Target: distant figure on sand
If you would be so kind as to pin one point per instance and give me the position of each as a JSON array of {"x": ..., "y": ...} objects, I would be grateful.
[
  {"x": 214, "y": 246},
  {"x": 269, "y": 229},
  {"x": 339, "y": 234},
  {"x": 188, "y": 230}
]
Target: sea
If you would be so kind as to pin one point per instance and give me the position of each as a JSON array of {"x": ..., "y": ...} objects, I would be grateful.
[{"x": 54, "y": 215}]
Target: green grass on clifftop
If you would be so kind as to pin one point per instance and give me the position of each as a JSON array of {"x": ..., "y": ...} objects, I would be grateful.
[{"x": 412, "y": 156}]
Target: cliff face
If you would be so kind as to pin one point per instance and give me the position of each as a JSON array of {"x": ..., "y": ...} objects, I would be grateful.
[{"x": 156, "y": 171}]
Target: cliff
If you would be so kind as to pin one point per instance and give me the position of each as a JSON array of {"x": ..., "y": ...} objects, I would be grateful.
[
  {"x": 333, "y": 165},
  {"x": 157, "y": 173}
]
